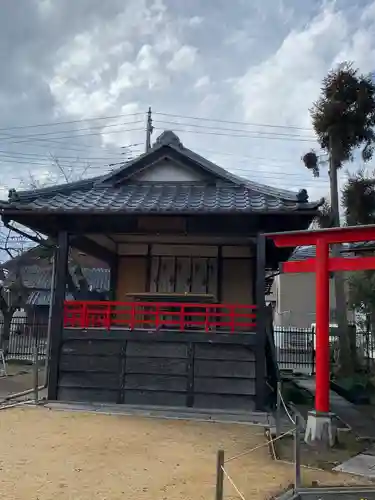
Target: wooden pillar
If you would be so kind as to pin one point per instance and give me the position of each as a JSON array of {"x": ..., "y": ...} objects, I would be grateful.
[
  {"x": 260, "y": 362},
  {"x": 148, "y": 269},
  {"x": 114, "y": 268},
  {"x": 61, "y": 264},
  {"x": 322, "y": 327},
  {"x": 219, "y": 271}
]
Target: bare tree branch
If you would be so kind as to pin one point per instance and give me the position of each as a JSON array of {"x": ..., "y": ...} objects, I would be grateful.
[{"x": 57, "y": 164}]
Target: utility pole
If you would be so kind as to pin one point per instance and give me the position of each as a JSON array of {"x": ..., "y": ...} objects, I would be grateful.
[
  {"x": 149, "y": 129},
  {"x": 339, "y": 285}
]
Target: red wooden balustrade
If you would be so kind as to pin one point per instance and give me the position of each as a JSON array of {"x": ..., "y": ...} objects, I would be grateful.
[{"x": 156, "y": 315}]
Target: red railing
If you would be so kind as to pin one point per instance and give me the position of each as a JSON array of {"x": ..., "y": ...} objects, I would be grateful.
[{"x": 157, "y": 315}]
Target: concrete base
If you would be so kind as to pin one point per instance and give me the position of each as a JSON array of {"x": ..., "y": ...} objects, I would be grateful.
[
  {"x": 320, "y": 429},
  {"x": 261, "y": 419}
]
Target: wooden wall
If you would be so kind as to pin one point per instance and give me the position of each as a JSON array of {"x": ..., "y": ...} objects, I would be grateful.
[
  {"x": 132, "y": 276},
  {"x": 163, "y": 368},
  {"x": 136, "y": 273},
  {"x": 237, "y": 281}
]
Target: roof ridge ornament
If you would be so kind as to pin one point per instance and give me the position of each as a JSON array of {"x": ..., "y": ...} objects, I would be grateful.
[
  {"x": 302, "y": 196},
  {"x": 168, "y": 138},
  {"x": 13, "y": 195}
]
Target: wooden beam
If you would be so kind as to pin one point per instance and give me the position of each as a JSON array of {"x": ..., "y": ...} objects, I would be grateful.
[
  {"x": 352, "y": 234},
  {"x": 92, "y": 248},
  {"x": 148, "y": 268},
  {"x": 260, "y": 360},
  {"x": 113, "y": 280},
  {"x": 57, "y": 323},
  {"x": 334, "y": 264},
  {"x": 219, "y": 274}
]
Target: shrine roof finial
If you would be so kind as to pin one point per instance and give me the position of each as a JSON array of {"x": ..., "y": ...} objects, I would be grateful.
[{"x": 168, "y": 138}]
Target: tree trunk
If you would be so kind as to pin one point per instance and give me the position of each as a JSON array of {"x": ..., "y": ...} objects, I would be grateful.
[
  {"x": 81, "y": 290},
  {"x": 7, "y": 322},
  {"x": 371, "y": 336},
  {"x": 71, "y": 286},
  {"x": 347, "y": 348},
  {"x": 345, "y": 356}
]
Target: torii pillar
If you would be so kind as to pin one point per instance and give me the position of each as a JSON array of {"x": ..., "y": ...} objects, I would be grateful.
[{"x": 320, "y": 429}]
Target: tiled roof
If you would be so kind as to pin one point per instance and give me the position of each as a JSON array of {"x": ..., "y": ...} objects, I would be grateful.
[
  {"x": 367, "y": 245},
  {"x": 38, "y": 278},
  {"x": 301, "y": 253},
  {"x": 42, "y": 298},
  {"x": 165, "y": 198},
  {"x": 118, "y": 192}
]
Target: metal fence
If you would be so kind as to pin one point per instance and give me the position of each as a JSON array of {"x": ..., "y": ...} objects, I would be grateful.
[
  {"x": 22, "y": 339},
  {"x": 295, "y": 349}
]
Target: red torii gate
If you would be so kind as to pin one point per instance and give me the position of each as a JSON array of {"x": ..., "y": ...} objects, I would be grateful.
[{"x": 322, "y": 265}]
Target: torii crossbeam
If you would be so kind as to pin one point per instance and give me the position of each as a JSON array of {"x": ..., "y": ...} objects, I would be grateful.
[{"x": 320, "y": 426}]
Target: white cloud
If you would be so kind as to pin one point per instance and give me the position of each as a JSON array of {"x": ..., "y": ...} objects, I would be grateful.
[
  {"x": 79, "y": 102},
  {"x": 98, "y": 69},
  {"x": 283, "y": 87},
  {"x": 166, "y": 43},
  {"x": 195, "y": 21},
  {"x": 118, "y": 132},
  {"x": 209, "y": 104},
  {"x": 44, "y": 7},
  {"x": 202, "y": 82},
  {"x": 183, "y": 59},
  {"x": 260, "y": 61}
]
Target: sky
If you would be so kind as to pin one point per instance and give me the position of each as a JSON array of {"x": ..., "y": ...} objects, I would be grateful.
[{"x": 235, "y": 80}]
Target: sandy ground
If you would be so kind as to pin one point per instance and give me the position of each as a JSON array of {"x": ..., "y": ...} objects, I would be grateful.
[{"x": 47, "y": 454}]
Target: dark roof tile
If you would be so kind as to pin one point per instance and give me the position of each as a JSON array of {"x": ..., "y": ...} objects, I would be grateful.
[
  {"x": 302, "y": 253},
  {"x": 164, "y": 198},
  {"x": 37, "y": 278},
  {"x": 117, "y": 191}
]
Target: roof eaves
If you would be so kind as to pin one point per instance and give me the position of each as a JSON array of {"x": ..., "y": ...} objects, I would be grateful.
[
  {"x": 208, "y": 165},
  {"x": 52, "y": 190},
  {"x": 213, "y": 168},
  {"x": 126, "y": 167}
]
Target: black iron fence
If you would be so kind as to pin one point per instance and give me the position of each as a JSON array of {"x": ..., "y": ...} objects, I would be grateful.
[
  {"x": 296, "y": 347},
  {"x": 22, "y": 339}
]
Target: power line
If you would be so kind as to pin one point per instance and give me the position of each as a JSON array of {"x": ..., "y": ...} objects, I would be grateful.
[
  {"x": 232, "y": 122},
  {"x": 232, "y": 130},
  {"x": 121, "y": 155},
  {"x": 131, "y": 151},
  {"x": 52, "y": 124},
  {"x": 62, "y": 163},
  {"x": 140, "y": 113},
  {"x": 263, "y": 170},
  {"x": 36, "y": 137},
  {"x": 41, "y": 134},
  {"x": 243, "y": 136},
  {"x": 262, "y": 173},
  {"x": 250, "y": 157},
  {"x": 65, "y": 144},
  {"x": 56, "y": 136},
  {"x": 268, "y": 168},
  {"x": 15, "y": 154}
]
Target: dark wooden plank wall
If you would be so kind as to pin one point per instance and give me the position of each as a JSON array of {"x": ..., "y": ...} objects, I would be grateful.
[{"x": 194, "y": 370}]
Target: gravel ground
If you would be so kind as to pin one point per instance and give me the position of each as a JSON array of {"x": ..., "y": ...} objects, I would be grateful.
[{"x": 48, "y": 454}]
